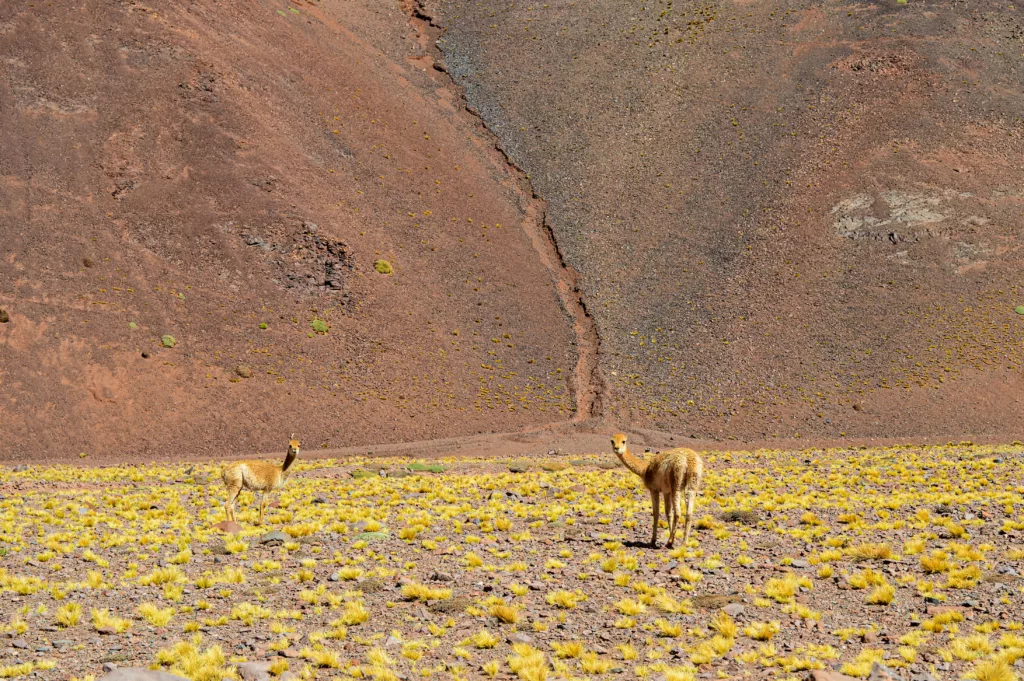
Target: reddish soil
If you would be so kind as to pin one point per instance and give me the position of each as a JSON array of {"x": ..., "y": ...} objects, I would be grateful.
[
  {"x": 201, "y": 169},
  {"x": 727, "y": 221},
  {"x": 786, "y": 218}
]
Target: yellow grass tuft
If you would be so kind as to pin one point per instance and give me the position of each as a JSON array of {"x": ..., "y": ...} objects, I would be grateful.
[
  {"x": 565, "y": 599},
  {"x": 668, "y": 629},
  {"x": 166, "y": 575},
  {"x": 484, "y": 639},
  {"x": 505, "y": 613},
  {"x": 628, "y": 606},
  {"x": 101, "y": 618},
  {"x": 868, "y": 577},
  {"x": 870, "y": 552},
  {"x": 155, "y": 615},
  {"x": 882, "y": 595},
  {"x": 68, "y": 615},
  {"x": 568, "y": 649},
  {"x": 762, "y": 631},
  {"x": 992, "y": 670},
  {"x": 421, "y": 592},
  {"x": 723, "y": 624},
  {"x": 355, "y": 613}
]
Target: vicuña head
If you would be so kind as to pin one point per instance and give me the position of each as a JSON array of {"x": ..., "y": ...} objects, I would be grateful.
[
  {"x": 619, "y": 443},
  {"x": 258, "y": 476}
]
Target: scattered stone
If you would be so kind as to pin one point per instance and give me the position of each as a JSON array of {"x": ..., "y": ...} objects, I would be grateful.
[
  {"x": 441, "y": 577},
  {"x": 109, "y": 667},
  {"x": 4, "y": 317},
  {"x": 20, "y": 468},
  {"x": 879, "y": 672},
  {"x": 520, "y": 637},
  {"x": 139, "y": 674},
  {"x": 229, "y": 526},
  {"x": 106, "y": 631},
  {"x": 801, "y": 563},
  {"x": 827, "y": 675},
  {"x": 734, "y": 609},
  {"x": 243, "y": 371},
  {"x": 19, "y": 643},
  {"x": 334, "y": 577},
  {"x": 274, "y": 538},
  {"x": 254, "y": 671}
]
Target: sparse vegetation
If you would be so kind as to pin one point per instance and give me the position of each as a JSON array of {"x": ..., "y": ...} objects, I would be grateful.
[{"x": 148, "y": 567}]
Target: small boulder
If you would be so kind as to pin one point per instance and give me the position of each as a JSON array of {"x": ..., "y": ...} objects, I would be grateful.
[
  {"x": 275, "y": 537},
  {"x": 828, "y": 675},
  {"x": 254, "y": 671},
  {"x": 879, "y": 672},
  {"x": 243, "y": 371},
  {"x": 140, "y": 674},
  {"x": 734, "y": 609}
]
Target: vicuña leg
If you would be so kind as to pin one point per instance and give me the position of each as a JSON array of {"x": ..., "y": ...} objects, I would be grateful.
[
  {"x": 654, "y": 530},
  {"x": 677, "y": 504},
  {"x": 691, "y": 496},
  {"x": 263, "y": 497},
  {"x": 229, "y": 505}
]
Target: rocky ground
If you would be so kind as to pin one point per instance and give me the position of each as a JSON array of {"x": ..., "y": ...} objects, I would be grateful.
[{"x": 535, "y": 568}]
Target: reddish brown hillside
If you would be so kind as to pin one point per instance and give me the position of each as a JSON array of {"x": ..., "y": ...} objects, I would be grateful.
[
  {"x": 788, "y": 217},
  {"x": 201, "y": 169}
]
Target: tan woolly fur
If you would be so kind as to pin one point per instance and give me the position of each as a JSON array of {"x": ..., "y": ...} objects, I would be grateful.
[
  {"x": 257, "y": 476},
  {"x": 668, "y": 474}
]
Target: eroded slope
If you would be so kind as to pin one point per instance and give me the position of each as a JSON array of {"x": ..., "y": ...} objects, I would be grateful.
[
  {"x": 227, "y": 173},
  {"x": 787, "y": 218}
]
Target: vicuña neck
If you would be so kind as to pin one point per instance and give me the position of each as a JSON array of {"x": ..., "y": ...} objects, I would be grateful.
[
  {"x": 288, "y": 460},
  {"x": 634, "y": 464}
]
